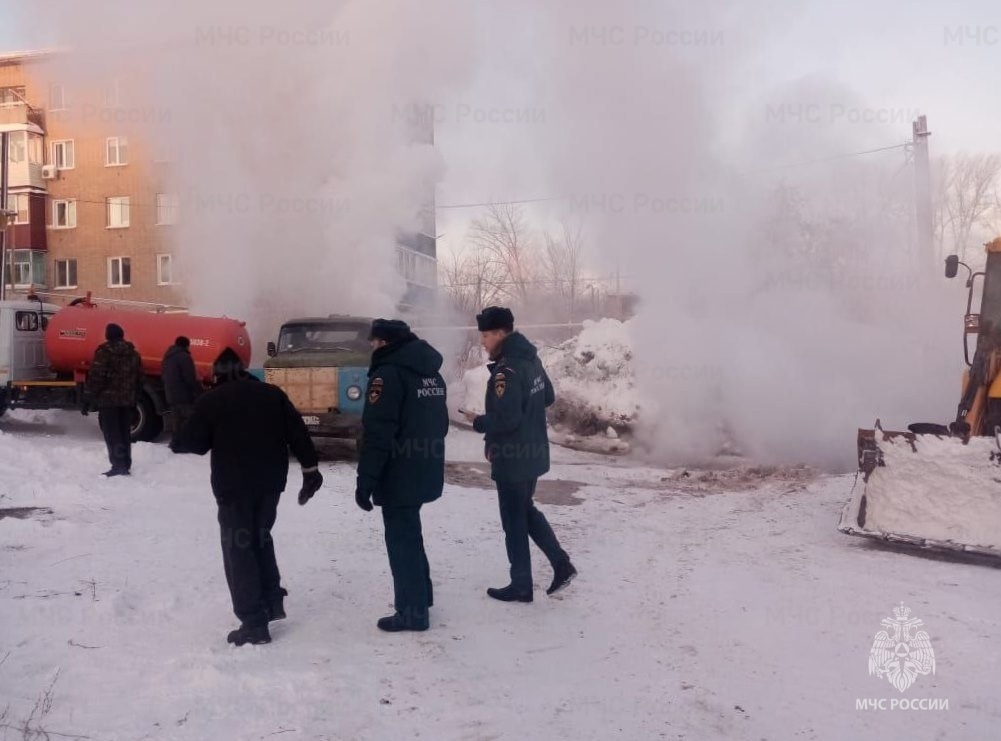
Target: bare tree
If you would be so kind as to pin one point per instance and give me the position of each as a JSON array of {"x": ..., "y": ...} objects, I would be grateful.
[
  {"x": 564, "y": 264},
  {"x": 472, "y": 279},
  {"x": 967, "y": 189},
  {"x": 502, "y": 234}
]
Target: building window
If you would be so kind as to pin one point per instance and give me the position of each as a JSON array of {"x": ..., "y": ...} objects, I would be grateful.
[
  {"x": 118, "y": 212},
  {"x": 116, "y": 151},
  {"x": 62, "y": 154},
  {"x": 113, "y": 94},
  {"x": 21, "y": 265},
  {"x": 65, "y": 273},
  {"x": 63, "y": 214},
  {"x": 167, "y": 207},
  {"x": 26, "y": 268},
  {"x": 164, "y": 270},
  {"x": 19, "y": 202},
  {"x": 57, "y": 97},
  {"x": 18, "y": 142},
  {"x": 119, "y": 272},
  {"x": 11, "y": 96},
  {"x": 35, "y": 149}
]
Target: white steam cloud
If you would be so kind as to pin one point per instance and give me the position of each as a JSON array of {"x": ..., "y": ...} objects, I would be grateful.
[{"x": 780, "y": 308}]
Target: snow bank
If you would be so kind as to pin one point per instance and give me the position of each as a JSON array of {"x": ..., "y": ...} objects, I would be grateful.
[
  {"x": 594, "y": 378},
  {"x": 946, "y": 491}
]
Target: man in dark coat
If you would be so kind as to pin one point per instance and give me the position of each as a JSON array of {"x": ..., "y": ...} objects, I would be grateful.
[
  {"x": 180, "y": 383},
  {"x": 250, "y": 426},
  {"x": 517, "y": 446},
  {"x": 113, "y": 384},
  {"x": 402, "y": 461}
]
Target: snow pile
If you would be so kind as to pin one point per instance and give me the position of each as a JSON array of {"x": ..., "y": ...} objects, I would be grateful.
[
  {"x": 946, "y": 491},
  {"x": 594, "y": 378}
]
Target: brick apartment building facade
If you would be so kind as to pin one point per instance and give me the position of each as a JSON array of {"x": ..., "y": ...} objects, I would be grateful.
[{"x": 87, "y": 176}]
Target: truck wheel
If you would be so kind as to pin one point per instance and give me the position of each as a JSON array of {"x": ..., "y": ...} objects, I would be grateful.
[{"x": 146, "y": 423}]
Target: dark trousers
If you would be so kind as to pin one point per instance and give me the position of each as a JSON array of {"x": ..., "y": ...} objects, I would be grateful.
[
  {"x": 521, "y": 521},
  {"x": 116, "y": 425},
  {"x": 248, "y": 555},
  {"x": 412, "y": 591},
  {"x": 180, "y": 414}
]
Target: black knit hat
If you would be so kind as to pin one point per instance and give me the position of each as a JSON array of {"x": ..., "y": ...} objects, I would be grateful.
[
  {"x": 495, "y": 317},
  {"x": 183, "y": 341},
  {"x": 228, "y": 366},
  {"x": 389, "y": 330},
  {"x": 114, "y": 332}
]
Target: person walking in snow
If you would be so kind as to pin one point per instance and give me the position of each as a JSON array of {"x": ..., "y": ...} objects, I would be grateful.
[
  {"x": 517, "y": 446},
  {"x": 401, "y": 466},
  {"x": 249, "y": 426},
  {"x": 112, "y": 388},
  {"x": 180, "y": 383}
]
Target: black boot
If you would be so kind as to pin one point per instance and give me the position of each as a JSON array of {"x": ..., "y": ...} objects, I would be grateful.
[
  {"x": 255, "y": 635},
  {"x": 510, "y": 594},
  {"x": 276, "y": 608},
  {"x": 116, "y": 472},
  {"x": 563, "y": 574},
  {"x": 397, "y": 623}
]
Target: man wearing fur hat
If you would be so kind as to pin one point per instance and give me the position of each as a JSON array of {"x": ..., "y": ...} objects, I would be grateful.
[
  {"x": 249, "y": 426},
  {"x": 517, "y": 446},
  {"x": 113, "y": 383},
  {"x": 402, "y": 461}
]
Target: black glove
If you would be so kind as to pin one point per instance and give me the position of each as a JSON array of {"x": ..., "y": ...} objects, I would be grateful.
[
  {"x": 312, "y": 480},
  {"x": 363, "y": 497},
  {"x": 84, "y": 407}
]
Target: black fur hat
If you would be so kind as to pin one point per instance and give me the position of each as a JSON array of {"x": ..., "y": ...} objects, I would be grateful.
[{"x": 495, "y": 317}]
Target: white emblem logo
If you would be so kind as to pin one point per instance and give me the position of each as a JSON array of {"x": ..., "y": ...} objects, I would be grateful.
[{"x": 899, "y": 655}]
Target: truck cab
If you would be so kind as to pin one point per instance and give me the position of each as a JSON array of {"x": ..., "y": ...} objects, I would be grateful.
[
  {"x": 22, "y": 346},
  {"x": 322, "y": 365}
]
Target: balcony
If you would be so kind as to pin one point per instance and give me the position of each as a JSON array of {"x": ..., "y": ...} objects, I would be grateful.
[
  {"x": 25, "y": 158},
  {"x": 21, "y": 113}
]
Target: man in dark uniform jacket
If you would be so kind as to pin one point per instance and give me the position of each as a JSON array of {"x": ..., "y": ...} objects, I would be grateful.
[
  {"x": 113, "y": 384},
  {"x": 402, "y": 461},
  {"x": 181, "y": 386},
  {"x": 250, "y": 426},
  {"x": 517, "y": 446}
]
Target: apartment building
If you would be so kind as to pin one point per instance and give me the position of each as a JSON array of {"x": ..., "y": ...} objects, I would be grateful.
[
  {"x": 87, "y": 175},
  {"x": 87, "y": 181}
]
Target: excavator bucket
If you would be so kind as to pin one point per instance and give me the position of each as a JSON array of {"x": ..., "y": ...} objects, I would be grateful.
[{"x": 928, "y": 489}]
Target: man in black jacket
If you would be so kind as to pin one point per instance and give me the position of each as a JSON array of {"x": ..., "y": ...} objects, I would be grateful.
[
  {"x": 249, "y": 426},
  {"x": 113, "y": 384},
  {"x": 402, "y": 461},
  {"x": 517, "y": 446},
  {"x": 180, "y": 383}
]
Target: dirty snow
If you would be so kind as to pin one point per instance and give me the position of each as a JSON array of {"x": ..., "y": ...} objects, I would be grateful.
[
  {"x": 711, "y": 605},
  {"x": 944, "y": 491}
]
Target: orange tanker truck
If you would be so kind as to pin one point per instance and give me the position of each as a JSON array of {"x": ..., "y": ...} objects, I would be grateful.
[{"x": 46, "y": 351}]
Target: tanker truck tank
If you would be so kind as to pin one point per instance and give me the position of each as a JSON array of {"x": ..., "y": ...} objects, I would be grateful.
[{"x": 73, "y": 334}]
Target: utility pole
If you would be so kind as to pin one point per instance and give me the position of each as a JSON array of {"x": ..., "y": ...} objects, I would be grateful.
[
  {"x": 4, "y": 216},
  {"x": 922, "y": 189}
]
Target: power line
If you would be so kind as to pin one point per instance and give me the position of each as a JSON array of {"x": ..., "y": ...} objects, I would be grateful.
[
  {"x": 504, "y": 203},
  {"x": 832, "y": 158}
]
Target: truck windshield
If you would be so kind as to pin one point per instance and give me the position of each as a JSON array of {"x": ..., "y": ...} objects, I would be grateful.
[{"x": 319, "y": 337}]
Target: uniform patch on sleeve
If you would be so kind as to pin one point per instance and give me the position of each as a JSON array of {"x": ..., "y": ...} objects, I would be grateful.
[
  {"x": 500, "y": 384},
  {"x": 375, "y": 390}
]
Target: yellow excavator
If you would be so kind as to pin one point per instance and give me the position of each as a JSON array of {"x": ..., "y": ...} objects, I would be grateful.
[{"x": 938, "y": 486}]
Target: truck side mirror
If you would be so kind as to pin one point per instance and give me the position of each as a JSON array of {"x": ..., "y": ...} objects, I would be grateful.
[
  {"x": 951, "y": 266},
  {"x": 272, "y": 350}
]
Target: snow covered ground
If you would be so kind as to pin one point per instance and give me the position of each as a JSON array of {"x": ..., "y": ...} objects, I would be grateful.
[{"x": 720, "y": 604}]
